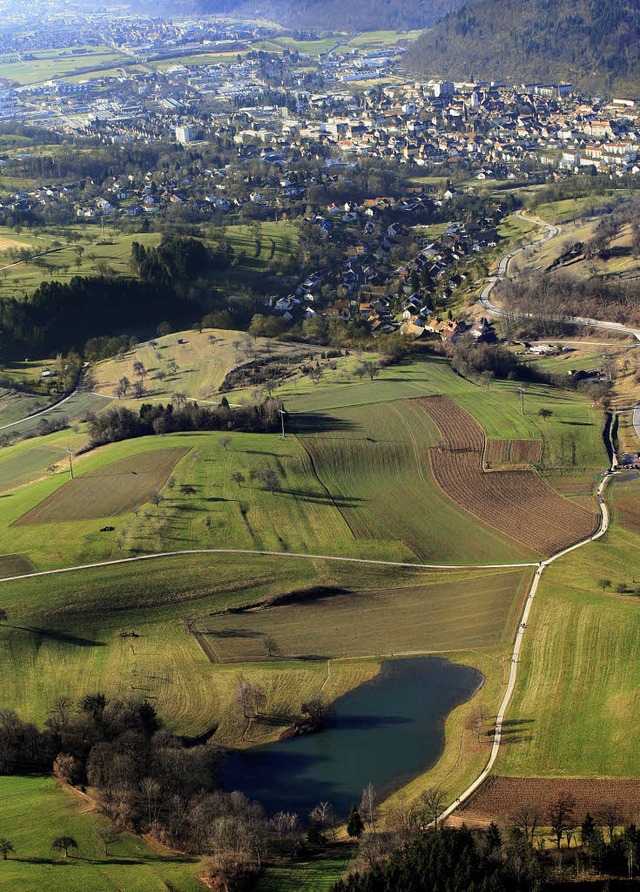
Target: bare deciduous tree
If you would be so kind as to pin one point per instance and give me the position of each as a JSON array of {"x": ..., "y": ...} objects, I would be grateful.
[
  {"x": 526, "y": 818},
  {"x": 611, "y": 814},
  {"x": 107, "y": 836},
  {"x": 368, "y": 806},
  {"x": 433, "y": 799},
  {"x": 560, "y": 814},
  {"x": 269, "y": 479}
]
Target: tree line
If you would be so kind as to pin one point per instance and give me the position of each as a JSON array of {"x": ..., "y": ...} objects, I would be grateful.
[
  {"x": 124, "y": 424},
  {"x": 64, "y": 316},
  {"x": 177, "y": 258}
]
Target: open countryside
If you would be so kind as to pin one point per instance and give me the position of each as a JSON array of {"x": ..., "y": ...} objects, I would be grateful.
[{"x": 319, "y": 446}]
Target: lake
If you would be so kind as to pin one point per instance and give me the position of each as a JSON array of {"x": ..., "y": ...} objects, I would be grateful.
[{"x": 384, "y": 732}]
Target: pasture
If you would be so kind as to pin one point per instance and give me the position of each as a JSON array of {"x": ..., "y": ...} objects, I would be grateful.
[
  {"x": 15, "y": 405},
  {"x": 580, "y": 661},
  {"x": 626, "y": 435},
  {"x": 72, "y": 410},
  {"x": 355, "y": 479},
  {"x": 307, "y": 876},
  {"x": 35, "y": 810},
  {"x": 194, "y": 363},
  {"x": 63, "y": 631},
  {"x": 114, "y": 489},
  {"x": 77, "y": 250},
  {"x": 571, "y": 435},
  {"x": 518, "y": 503},
  {"x": 626, "y": 502},
  {"x": 471, "y": 610},
  {"x": 43, "y": 65},
  {"x": 619, "y": 262},
  {"x": 60, "y": 253},
  {"x": 31, "y": 460},
  {"x": 576, "y": 210}
]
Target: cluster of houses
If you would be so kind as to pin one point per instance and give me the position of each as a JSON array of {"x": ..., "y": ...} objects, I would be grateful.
[
  {"x": 315, "y": 102},
  {"x": 410, "y": 298}
]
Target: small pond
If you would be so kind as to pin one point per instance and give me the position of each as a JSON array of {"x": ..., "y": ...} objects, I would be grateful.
[{"x": 383, "y": 732}]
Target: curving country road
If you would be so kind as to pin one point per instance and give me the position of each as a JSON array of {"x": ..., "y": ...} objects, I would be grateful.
[
  {"x": 285, "y": 554},
  {"x": 515, "y": 656},
  {"x": 51, "y": 406},
  {"x": 503, "y": 270}
]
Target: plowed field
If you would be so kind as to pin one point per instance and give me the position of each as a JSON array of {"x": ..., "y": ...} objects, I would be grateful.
[
  {"x": 517, "y": 503},
  {"x": 500, "y": 797},
  {"x": 518, "y": 452},
  {"x": 113, "y": 489}
]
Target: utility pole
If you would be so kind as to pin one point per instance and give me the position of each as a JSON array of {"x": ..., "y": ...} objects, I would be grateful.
[
  {"x": 70, "y": 454},
  {"x": 282, "y": 414}
]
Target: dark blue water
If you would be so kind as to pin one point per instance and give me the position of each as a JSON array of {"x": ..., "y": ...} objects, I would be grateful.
[{"x": 384, "y": 732}]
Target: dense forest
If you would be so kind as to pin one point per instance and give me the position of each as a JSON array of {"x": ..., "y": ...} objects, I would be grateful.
[
  {"x": 592, "y": 44},
  {"x": 63, "y": 316}
]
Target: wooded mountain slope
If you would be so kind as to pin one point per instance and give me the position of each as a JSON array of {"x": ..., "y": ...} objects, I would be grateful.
[{"x": 592, "y": 44}]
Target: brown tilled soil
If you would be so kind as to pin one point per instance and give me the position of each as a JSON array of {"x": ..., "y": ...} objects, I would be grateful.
[
  {"x": 516, "y": 502},
  {"x": 500, "y": 797},
  {"x": 517, "y": 452}
]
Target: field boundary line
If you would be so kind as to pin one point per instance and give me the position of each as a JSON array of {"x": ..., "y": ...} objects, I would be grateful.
[{"x": 286, "y": 554}]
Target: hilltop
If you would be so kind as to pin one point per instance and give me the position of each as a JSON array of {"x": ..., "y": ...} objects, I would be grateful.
[{"x": 590, "y": 44}]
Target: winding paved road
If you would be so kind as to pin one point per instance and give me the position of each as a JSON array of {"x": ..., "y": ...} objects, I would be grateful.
[{"x": 503, "y": 269}]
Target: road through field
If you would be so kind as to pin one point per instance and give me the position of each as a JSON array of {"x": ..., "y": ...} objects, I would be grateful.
[
  {"x": 497, "y": 736},
  {"x": 503, "y": 269},
  {"x": 250, "y": 551},
  {"x": 55, "y": 405}
]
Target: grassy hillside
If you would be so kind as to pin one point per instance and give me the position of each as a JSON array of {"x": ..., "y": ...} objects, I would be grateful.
[
  {"x": 354, "y": 481},
  {"x": 588, "y": 43},
  {"x": 376, "y": 468},
  {"x": 64, "y": 631},
  {"x": 35, "y": 810},
  {"x": 575, "y": 708},
  {"x": 202, "y": 359}
]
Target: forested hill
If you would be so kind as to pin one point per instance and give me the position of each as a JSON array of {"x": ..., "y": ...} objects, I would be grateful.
[
  {"x": 330, "y": 15},
  {"x": 594, "y": 44}
]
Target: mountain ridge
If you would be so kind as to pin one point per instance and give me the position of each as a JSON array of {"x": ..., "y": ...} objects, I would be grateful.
[{"x": 594, "y": 45}]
